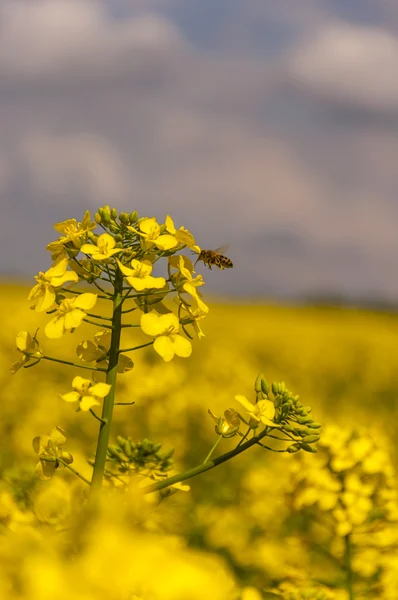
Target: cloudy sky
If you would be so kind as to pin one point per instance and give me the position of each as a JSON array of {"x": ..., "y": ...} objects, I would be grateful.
[{"x": 271, "y": 126}]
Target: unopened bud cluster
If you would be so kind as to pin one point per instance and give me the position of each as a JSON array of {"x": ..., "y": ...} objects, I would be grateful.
[
  {"x": 290, "y": 414},
  {"x": 143, "y": 457}
]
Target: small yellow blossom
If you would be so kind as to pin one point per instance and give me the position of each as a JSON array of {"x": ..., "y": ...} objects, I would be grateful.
[
  {"x": 105, "y": 248},
  {"x": 139, "y": 277},
  {"x": 228, "y": 424},
  {"x": 42, "y": 295},
  {"x": 168, "y": 342},
  {"x": 97, "y": 352},
  {"x": 182, "y": 235},
  {"x": 73, "y": 232},
  {"x": 262, "y": 412},
  {"x": 29, "y": 347},
  {"x": 69, "y": 315},
  {"x": 49, "y": 446},
  {"x": 150, "y": 232},
  {"x": 86, "y": 392}
]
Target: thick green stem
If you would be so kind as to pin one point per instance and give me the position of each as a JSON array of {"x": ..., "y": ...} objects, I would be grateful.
[
  {"x": 206, "y": 466},
  {"x": 348, "y": 567},
  {"x": 107, "y": 409}
]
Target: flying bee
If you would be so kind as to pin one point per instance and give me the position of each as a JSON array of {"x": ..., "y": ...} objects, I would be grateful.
[{"x": 215, "y": 257}]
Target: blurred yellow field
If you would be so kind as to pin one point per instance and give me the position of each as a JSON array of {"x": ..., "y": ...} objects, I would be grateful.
[{"x": 243, "y": 527}]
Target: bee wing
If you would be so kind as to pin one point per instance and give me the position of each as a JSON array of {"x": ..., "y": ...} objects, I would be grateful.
[{"x": 222, "y": 249}]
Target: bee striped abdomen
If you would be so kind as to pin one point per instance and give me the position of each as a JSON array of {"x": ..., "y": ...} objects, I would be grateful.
[{"x": 212, "y": 257}]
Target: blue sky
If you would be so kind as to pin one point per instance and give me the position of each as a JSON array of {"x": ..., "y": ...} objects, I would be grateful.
[{"x": 251, "y": 122}]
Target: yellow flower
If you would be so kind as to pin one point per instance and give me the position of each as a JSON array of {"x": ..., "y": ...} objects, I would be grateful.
[
  {"x": 105, "y": 248},
  {"x": 86, "y": 392},
  {"x": 69, "y": 315},
  {"x": 197, "y": 310},
  {"x": 139, "y": 277},
  {"x": 49, "y": 446},
  {"x": 182, "y": 235},
  {"x": 262, "y": 412},
  {"x": 150, "y": 232},
  {"x": 29, "y": 347},
  {"x": 183, "y": 280},
  {"x": 42, "y": 295},
  {"x": 97, "y": 352},
  {"x": 73, "y": 232},
  {"x": 165, "y": 329},
  {"x": 228, "y": 424}
]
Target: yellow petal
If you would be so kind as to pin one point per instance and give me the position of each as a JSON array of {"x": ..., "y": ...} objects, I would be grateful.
[
  {"x": 85, "y": 301},
  {"x": 45, "y": 470},
  {"x": 88, "y": 402},
  {"x": 55, "y": 328},
  {"x": 74, "y": 318},
  {"x": 166, "y": 242},
  {"x": 182, "y": 346},
  {"x": 70, "y": 396},
  {"x": 100, "y": 390},
  {"x": 245, "y": 403},
  {"x": 164, "y": 346}
]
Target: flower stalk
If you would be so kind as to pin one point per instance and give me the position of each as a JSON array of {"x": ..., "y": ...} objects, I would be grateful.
[{"x": 111, "y": 376}]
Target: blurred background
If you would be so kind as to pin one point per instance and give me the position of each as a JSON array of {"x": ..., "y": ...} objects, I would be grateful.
[{"x": 271, "y": 126}]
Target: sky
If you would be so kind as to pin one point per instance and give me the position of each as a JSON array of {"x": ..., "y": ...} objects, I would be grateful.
[{"x": 253, "y": 123}]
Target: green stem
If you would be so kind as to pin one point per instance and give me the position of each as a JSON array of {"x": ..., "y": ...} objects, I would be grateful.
[
  {"x": 98, "y": 324},
  {"x": 99, "y": 317},
  {"x": 213, "y": 448},
  {"x": 111, "y": 375},
  {"x": 135, "y": 347},
  {"x": 74, "y": 471},
  {"x": 72, "y": 364},
  {"x": 206, "y": 466},
  {"x": 348, "y": 567}
]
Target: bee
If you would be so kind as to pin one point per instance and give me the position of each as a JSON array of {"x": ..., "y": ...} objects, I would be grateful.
[{"x": 215, "y": 257}]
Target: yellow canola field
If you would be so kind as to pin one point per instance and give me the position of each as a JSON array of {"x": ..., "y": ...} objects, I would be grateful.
[{"x": 260, "y": 526}]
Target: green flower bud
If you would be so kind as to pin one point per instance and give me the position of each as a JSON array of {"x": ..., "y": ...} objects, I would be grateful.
[
  {"x": 97, "y": 218},
  {"x": 113, "y": 213},
  {"x": 311, "y": 439},
  {"x": 133, "y": 217},
  {"x": 293, "y": 448},
  {"x": 304, "y": 420},
  {"x": 113, "y": 451},
  {"x": 156, "y": 447},
  {"x": 275, "y": 388},
  {"x": 168, "y": 454},
  {"x": 106, "y": 215},
  {"x": 264, "y": 387},
  {"x": 314, "y": 425},
  {"x": 308, "y": 448},
  {"x": 118, "y": 237},
  {"x": 124, "y": 218},
  {"x": 257, "y": 383}
]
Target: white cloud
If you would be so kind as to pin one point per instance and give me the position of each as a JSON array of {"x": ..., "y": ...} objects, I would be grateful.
[
  {"x": 54, "y": 37},
  {"x": 71, "y": 166},
  {"x": 349, "y": 64}
]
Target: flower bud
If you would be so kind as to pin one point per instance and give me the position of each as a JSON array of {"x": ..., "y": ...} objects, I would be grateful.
[
  {"x": 97, "y": 218},
  {"x": 106, "y": 215},
  {"x": 124, "y": 218},
  {"x": 311, "y": 439},
  {"x": 113, "y": 213},
  {"x": 264, "y": 387},
  {"x": 293, "y": 448},
  {"x": 314, "y": 425},
  {"x": 133, "y": 217},
  {"x": 257, "y": 384},
  {"x": 307, "y": 448}
]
